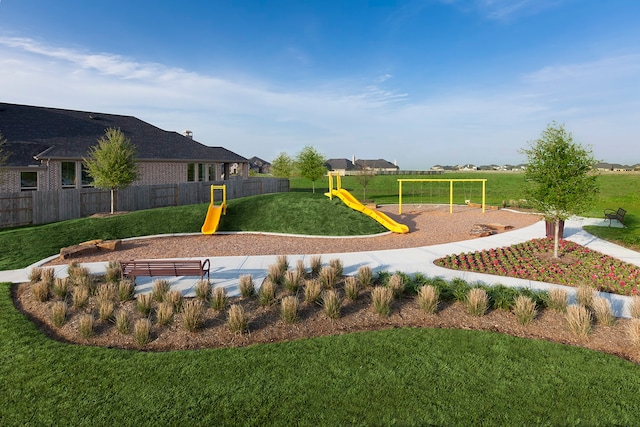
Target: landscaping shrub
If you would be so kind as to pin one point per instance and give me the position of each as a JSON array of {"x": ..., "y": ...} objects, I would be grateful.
[
  {"x": 634, "y": 307},
  {"x": 524, "y": 308},
  {"x": 301, "y": 269},
  {"x": 61, "y": 287},
  {"x": 175, "y": 298},
  {"x": 502, "y": 297},
  {"x": 396, "y": 284},
  {"x": 142, "y": 330},
  {"x": 85, "y": 325},
  {"x": 192, "y": 313},
  {"x": 338, "y": 266},
  {"x": 633, "y": 331},
  {"x": 365, "y": 276},
  {"x": 315, "y": 264},
  {"x": 219, "y": 299},
  {"x": 237, "y": 320},
  {"x": 203, "y": 289},
  {"x": 283, "y": 263},
  {"x": 381, "y": 299},
  {"x": 126, "y": 290},
  {"x": 584, "y": 295},
  {"x": 105, "y": 310},
  {"x": 428, "y": 296},
  {"x": 246, "y": 285},
  {"x": 164, "y": 313},
  {"x": 557, "y": 299},
  {"x": 160, "y": 289},
  {"x": 59, "y": 313},
  {"x": 602, "y": 310},
  {"x": 35, "y": 274},
  {"x": 275, "y": 274},
  {"x": 459, "y": 289},
  {"x": 291, "y": 281},
  {"x": 579, "y": 320},
  {"x": 312, "y": 291},
  {"x": 351, "y": 288},
  {"x": 106, "y": 292},
  {"x": 331, "y": 303},
  {"x": 267, "y": 293},
  {"x": 477, "y": 301},
  {"x": 76, "y": 272},
  {"x": 328, "y": 277},
  {"x": 41, "y": 291},
  {"x": 143, "y": 303},
  {"x": 113, "y": 272},
  {"x": 47, "y": 275},
  {"x": 80, "y": 296},
  {"x": 289, "y": 309},
  {"x": 122, "y": 322}
]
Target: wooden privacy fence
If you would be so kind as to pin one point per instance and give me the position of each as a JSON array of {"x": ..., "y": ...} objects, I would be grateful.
[{"x": 41, "y": 207}]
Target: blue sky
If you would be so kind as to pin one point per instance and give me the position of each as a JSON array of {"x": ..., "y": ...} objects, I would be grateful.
[{"x": 422, "y": 82}]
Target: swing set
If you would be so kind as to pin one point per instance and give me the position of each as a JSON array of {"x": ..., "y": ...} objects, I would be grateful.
[{"x": 450, "y": 181}]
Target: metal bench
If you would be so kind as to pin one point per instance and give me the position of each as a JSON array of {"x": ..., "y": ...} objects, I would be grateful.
[
  {"x": 164, "y": 267},
  {"x": 612, "y": 214}
]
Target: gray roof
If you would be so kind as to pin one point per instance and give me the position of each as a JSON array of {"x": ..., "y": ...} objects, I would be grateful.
[
  {"x": 339, "y": 164},
  {"x": 375, "y": 164},
  {"x": 52, "y": 133}
]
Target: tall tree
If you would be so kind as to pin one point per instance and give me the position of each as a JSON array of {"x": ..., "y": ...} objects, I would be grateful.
[
  {"x": 561, "y": 179},
  {"x": 282, "y": 166},
  {"x": 112, "y": 163},
  {"x": 311, "y": 165}
]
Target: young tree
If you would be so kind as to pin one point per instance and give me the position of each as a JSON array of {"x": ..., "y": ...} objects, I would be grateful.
[
  {"x": 311, "y": 165},
  {"x": 282, "y": 166},
  {"x": 112, "y": 162},
  {"x": 560, "y": 176},
  {"x": 364, "y": 176}
]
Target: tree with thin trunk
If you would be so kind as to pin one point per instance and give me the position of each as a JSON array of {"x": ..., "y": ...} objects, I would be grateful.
[
  {"x": 560, "y": 177},
  {"x": 311, "y": 165},
  {"x": 364, "y": 177},
  {"x": 112, "y": 163},
  {"x": 282, "y": 166}
]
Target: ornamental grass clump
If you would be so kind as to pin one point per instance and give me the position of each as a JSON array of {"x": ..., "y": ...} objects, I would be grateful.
[
  {"x": 301, "y": 269},
  {"x": 106, "y": 292},
  {"x": 203, "y": 289},
  {"x": 524, "y": 308},
  {"x": 122, "y": 322},
  {"x": 396, "y": 284},
  {"x": 315, "y": 264},
  {"x": 602, "y": 310},
  {"x": 557, "y": 300},
  {"x": 143, "y": 303},
  {"x": 477, "y": 301},
  {"x": 428, "y": 298},
  {"x": 164, "y": 313},
  {"x": 113, "y": 272},
  {"x": 584, "y": 295},
  {"x": 47, "y": 275},
  {"x": 86, "y": 323},
  {"x": 59, "y": 313},
  {"x": 365, "y": 276},
  {"x": 337, "y": 265},
  {"x": 160, "y": 289},
  {"x": 634, "y": 307},
  {"x": 35, "y": 274},
  {"x": 579, "y": 320},
  {"x": 175, "y": 298},
  {"x": 292, "y": 281},
  {"x": 76, "y": 272},
  {"x": 633, "y": 332},
  {"x": 61, "y": 287},
  {"x": 105, "y": 310},
  {"x": 275, "y": 274},
  {"x": 312, "y": 291},
  {"x": 237, "y": 319},
  {"x": 246, "y": 285},
  {"x": 331, "y": 303},
  {"x": 219, "y": 299},
  {"x": 289, "y": 309},
  {"x": 126, "y": 290},
  {"x": 41, "y": 291},
  {"x": 192, "y": 314},
  {"x": 381, "y": 299},
  {"x": 267, "y": 293},
  {"x": 142, "y": 331},
  {"x": 351, "y": 288},
  {"x": 80, "y": 297},
  {"x": 328, "y": 277},
  {"x": 282, "y": 262}
]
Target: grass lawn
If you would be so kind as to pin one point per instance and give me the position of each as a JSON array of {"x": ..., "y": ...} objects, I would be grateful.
[{"x": 402, "y": 376}]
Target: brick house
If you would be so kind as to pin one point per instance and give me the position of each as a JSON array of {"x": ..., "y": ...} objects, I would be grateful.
[{"x": 46, "y": 147}]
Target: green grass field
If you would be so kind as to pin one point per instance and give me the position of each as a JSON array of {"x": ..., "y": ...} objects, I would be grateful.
[{"x": 402, "y": 377}]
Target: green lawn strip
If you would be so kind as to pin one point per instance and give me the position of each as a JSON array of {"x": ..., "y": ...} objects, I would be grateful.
[
  {"x": 403, "y": 376},
  {"x": 298, "y": 213}
]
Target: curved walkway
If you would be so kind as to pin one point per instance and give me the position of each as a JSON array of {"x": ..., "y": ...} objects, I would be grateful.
[{"x": 226, "y": 271}]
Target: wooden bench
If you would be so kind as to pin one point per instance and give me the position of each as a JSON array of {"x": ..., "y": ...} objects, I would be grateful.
[
  {"x": 164, "y": 267},
  {"x": 611, "y": 214}
]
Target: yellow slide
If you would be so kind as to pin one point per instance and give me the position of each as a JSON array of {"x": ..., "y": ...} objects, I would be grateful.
[
  {"x": 212, "y": 220},
  {"x": 383, "y": 219}
]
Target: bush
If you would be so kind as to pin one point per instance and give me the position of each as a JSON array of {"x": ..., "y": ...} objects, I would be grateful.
[
  {"x": 477, "y": 301},
  {"x": 289, "y": 309},
  {"x": 396, "y": 284},
  {"x": 106, "y": 292},
  {"x": 602, "y": 310},
  {"x": 203, "y": 290},
  {"x": 126, "y": 290},
  {"x": 557, "y": 300},
  {"x": 328, "y": 277},
  {"x": 579, "y": 320},
  {"x": 312, "y": 291},
  {"x": 365, "y": 276},
  {"x": 300, "y": 269},
  {"x": 331, "y": 303},
  {"x": 47, "y": 275},
  {"x": 338, "y": 266},
  {"x": 61, "y": 287},
  {"x": 80, "y": 296},
  {"x": 175, "y": 297},
  {"x": 246, "y": 285},
  {"x": 292, "y": 281},
  {"x": 275, "y": 274},
  {"x": 41, "y": 291},
  {"x": 77, "y": 273},
  {"x": 525, "y": 309},
  {"x": 142, "y": 330},
  {"x": 59, "y": 313},
  {"x": 122, "y": 322},
  {"x": 584, "y": 295},
  {"x": 428, "y": 296},
  {"x": 283, "y": 263},
  {"x": 143, "y": 303},
  {"x": 105, "y": 310},
  {"x": 164, "y": 313},
  {"x": 35, "y": 274},
  {"x": 160, "y": 289},
  {"x": 267, "y": 293},
  {"x": 85, "y": 325},
  {"x": 237, "y": 320},
  {"x": 219, "y": 298},
  {"x": 351, "y": 288},
  {"x": 113, "y": 272},
  {"x": 315, "y": 264},
  {"x": 381, "y": 298},
  {"x": 192, "y": 314}
]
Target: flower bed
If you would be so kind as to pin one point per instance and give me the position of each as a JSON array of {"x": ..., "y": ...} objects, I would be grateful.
[{"x": 533, "y": 260}]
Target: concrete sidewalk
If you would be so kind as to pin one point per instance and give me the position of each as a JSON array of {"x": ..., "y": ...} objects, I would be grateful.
[{"x": 226, "y": 271}]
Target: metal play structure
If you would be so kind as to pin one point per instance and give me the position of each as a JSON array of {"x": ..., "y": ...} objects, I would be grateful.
[{"x": 451, "y": 181}]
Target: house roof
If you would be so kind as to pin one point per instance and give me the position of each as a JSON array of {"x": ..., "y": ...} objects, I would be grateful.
[
  {"x": 376, "y": 164},
  {"x": 339, "y": 164},
  {"x": 52, "y": 133},
  {"x": 257, "y": 161}
]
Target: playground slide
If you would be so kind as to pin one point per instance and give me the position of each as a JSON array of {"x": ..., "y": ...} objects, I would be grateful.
[
  {"x": 383, "y": 219},
  {"x": 212, "y": 220}
]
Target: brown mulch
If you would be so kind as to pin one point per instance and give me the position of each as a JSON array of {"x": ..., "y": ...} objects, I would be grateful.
[{"x": 429, "y": 225}]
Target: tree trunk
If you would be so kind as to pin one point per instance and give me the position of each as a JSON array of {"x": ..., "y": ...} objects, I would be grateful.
[
  {"x": 556, "y": 238},
  {"x": 112, "y": 199}
]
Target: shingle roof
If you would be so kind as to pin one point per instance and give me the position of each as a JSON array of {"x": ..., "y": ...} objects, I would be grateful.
[
  {"x": 339, "y": 164},
  {"x": 375, "y": 164},
  {"x": 52, "y": 133}
]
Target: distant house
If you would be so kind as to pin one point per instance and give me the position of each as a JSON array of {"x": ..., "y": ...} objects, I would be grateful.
[
  {"x": 340, "y": 165},
  {"x": 46, "y": 147},
  {"x": 378, "y": 165},
  {"x": 469, "y": 167},
  {"x": 257, "y": 165}
]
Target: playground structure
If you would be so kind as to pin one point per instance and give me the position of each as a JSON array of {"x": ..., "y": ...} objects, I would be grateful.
[
  {"x": 354, "y": 204},
  {"x": 451, "y": 181},
  {"x": 214, "y": 212}
]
